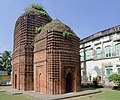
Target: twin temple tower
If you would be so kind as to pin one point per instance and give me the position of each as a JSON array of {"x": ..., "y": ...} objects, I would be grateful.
[{"x": 45, "y": 55}]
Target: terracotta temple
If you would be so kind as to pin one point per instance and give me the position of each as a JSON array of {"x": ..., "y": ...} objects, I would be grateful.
[{"x": 48, "y": 62}]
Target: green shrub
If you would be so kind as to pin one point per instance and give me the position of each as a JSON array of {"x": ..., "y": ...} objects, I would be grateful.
[
  {"x": 65, "y": 34},
  {"x": 115, "y": 78},
  {"x": 37, "y": 30}
]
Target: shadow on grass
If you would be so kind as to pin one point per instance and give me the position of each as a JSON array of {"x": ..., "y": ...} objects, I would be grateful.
[{"x": 91, "y": 88}]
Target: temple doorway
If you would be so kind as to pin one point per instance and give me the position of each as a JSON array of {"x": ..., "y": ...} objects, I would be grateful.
[
  {"x": 69, "y": 83},
  {"x": 15, "y": 81}
]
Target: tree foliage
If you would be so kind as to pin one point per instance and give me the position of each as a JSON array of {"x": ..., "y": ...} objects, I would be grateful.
[
  {"x": 5, "y": 61},
  {"x": 115, "y": 78}
]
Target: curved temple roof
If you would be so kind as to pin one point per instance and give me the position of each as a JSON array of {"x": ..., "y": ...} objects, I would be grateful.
[{"x": 57, "y": 25}]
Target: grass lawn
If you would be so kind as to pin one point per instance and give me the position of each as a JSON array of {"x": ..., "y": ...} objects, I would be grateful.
[
  {"x": 5, "y": 96},
  {"x": 107, "y": 94}
]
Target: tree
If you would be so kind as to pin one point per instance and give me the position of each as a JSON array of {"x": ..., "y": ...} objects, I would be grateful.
[
  {"x": 1, "y": 63},
  {"x": 115, "y": 78},
  {"x": 5, "y": 62}
]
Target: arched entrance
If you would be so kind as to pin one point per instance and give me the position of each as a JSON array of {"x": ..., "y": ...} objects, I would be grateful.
[
  {"x": 69, "y": 83},
  {"x": 15, "y": 81}
]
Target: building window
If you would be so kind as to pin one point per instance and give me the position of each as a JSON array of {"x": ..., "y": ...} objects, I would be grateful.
[
  {"x": 118, "y": 70},
  {"x": 108, "y": 51},
  {"x": 82, "y": 55},
  {"x": 87, "y": 54},
  {"x": 117, "y": 49},
  {"x": 109, "y": 71},
  {"x": 98, "y": 52}
]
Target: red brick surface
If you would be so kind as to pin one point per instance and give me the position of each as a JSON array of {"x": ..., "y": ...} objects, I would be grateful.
[
  {"x": 53, "y": 66},
  {"x": 54, "y": 58},
  {"x": 23, "y": 56}
]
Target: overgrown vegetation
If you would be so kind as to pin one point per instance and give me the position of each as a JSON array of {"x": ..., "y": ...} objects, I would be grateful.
[
  {"x": 58, "y": 26},
  {"x": 37, "y": 30},
  {"x": 66, "y": 34},
  {"x": 36, "y": 7}
]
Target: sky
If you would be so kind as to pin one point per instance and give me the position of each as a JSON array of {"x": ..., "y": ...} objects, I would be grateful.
[{"x": 85, "y": 17}]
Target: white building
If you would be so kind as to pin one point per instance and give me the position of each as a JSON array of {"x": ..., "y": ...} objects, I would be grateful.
[{"x": 100, "y": 55}]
